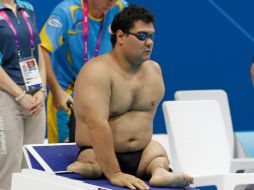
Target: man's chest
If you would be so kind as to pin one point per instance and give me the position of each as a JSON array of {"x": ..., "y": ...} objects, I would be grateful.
[{"x": 137, "y": 95}]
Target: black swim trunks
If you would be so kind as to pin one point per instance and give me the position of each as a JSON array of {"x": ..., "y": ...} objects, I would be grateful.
[{"x": 128, "y": 162}]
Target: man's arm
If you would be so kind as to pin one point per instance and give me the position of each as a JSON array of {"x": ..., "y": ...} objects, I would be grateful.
[
  {"x": 60, "y": 97},
  {"x": 92, "y": 104},
  {"x": 91, "y": 101},
  {"x": 54, "y": 30}
]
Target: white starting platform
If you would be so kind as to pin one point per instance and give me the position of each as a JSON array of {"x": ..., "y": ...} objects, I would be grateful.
[{"x": 47, "y": 171}]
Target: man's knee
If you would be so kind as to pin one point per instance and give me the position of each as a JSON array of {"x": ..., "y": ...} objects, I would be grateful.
[
  {"x": 87, "y": 164},
  {"x": 89, "y": 170},
  {"x": 97, "y": 171},
  {"x": 157, "y": 162},
  {"x": 153, "y": 155},
  {"x": 92, "y": 170}
]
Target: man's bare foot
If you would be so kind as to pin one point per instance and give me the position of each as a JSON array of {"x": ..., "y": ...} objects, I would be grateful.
[
  {"x": 89, "y": 170},
  {"x": 163, "y": 178}
]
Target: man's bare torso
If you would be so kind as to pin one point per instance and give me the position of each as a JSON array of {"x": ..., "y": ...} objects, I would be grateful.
[{"x": 133, "y": 103}]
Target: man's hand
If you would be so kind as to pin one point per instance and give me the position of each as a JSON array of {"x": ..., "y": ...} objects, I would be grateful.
[
  {"x": 60, "y": 98},
  {"x": 126, "y": 180}
]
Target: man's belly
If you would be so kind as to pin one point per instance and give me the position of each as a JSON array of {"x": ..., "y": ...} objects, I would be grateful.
[{"x": 132, "y": 131}]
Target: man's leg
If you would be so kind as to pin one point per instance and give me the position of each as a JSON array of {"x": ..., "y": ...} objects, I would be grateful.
[
  {"x": 86, "y": 165},
  {"x": 154, "y": 162}
]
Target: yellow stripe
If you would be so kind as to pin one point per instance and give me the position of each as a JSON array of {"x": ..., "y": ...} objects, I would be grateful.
[
  {"x": 73, "y": 9},
  {"x": 52, "y": 116},
  {"x": 74, "y": 32},
  {"x": 60, "y": 41},
  {"x": 45, "y": 41},
  {"x": 93, "y": 18},
  {"x": 52, "y": 120},
  {"x": 71, "y": 63},
  {"x": 69, "y": 57},
  {"x": 119, "y": 4}
]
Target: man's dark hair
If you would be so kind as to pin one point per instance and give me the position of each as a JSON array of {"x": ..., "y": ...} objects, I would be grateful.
[{"x": 126, "y": 19}]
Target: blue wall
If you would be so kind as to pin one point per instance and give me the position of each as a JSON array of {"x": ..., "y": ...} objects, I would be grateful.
[{"x": 200, "y": 44}]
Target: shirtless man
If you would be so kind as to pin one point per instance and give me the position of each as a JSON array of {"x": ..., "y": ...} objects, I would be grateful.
[{"x": 116, "y": 97}]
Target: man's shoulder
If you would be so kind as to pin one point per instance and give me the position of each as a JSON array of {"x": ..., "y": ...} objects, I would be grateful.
[
  {"x": 94, "y": 71},
  {"x": 151, "y": 67},
  {"x": 98, "y": 65},
  {"x": 150, "y": 64},
  {"x": 100, "y": 60}
]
